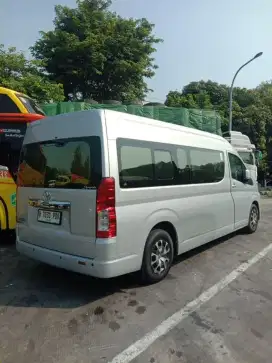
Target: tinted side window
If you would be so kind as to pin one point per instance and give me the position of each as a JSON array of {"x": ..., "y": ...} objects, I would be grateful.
[
  {"x": 183, "y": 166},
  {"x": 207, "y": 166},
  {"x": 147, "y": 164},
  {"x": 237, "y": 168},
  {"x": 7, "y": 105},
  {"x": 135, "y": 166},
  {"x": 68, "y": 163},
  {"x": 164, "y": 167}
]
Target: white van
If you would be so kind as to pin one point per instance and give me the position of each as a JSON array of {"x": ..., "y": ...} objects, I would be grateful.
[{"x": 135, "y": 193}]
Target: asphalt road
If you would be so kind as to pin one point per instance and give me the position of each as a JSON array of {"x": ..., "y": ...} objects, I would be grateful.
[{"x": 215, "y": 306}]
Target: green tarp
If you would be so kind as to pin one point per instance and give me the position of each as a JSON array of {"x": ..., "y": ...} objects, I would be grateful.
[{"x": 199, "y": 119}]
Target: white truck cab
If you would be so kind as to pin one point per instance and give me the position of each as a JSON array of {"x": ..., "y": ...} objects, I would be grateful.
[{"x": 247, "y": 151}]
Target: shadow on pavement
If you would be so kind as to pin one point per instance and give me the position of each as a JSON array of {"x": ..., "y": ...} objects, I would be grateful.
[{"x": 27, "y": 283}]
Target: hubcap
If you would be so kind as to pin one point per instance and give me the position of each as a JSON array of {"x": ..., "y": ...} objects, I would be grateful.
[
  {"x": 160, "y": 256},
  {"x": 254, "y": 216}
]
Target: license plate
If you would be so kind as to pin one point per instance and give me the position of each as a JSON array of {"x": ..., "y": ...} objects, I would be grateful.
[{"x": 48, "y": 216}]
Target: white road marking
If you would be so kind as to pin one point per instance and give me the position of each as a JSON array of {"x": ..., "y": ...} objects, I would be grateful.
[{"x": 164, "y": 327}]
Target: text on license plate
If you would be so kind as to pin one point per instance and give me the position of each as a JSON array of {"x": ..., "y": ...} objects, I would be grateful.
[{"x": 48, "y": 216}]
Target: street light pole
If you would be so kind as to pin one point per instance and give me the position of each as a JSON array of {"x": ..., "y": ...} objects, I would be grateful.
[{"x": 231, "y": 88}]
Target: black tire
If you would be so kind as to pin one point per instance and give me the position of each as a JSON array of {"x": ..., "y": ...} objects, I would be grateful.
[
  {"x": 253, "y": 219},
  {"x": 159, "y": 247}
]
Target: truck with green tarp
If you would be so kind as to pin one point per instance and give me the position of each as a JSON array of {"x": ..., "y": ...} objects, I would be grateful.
[{"x": 204, "y": 120}]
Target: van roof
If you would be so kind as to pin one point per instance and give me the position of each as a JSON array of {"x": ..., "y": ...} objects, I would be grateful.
[
  {"x": 140, "y": 119},
  {"x": 169, "y": 125}
]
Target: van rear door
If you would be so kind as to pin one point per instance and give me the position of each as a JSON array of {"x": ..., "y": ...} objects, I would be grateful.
[{"x": 57, "y": 184}]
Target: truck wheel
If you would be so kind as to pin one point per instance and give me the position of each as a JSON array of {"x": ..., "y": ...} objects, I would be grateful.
[
  {"x": 158, "y": 256},
  {"x": 253, "y": 220}
]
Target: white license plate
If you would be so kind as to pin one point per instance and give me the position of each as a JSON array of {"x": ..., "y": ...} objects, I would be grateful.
[{"x": 48, "y": 216}]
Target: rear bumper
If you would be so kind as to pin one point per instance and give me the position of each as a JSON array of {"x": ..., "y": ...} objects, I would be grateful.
[{"x": 86, "y": 266}]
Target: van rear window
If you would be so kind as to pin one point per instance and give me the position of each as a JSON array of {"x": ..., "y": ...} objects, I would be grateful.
[{"x": 67, "y": 164}]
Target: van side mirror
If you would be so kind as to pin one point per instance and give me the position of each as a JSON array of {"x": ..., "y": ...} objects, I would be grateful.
[{"x": 247, "y": 175}]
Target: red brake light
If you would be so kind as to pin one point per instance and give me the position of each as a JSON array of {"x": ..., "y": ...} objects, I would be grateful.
[{"x": 105, "y": 209}]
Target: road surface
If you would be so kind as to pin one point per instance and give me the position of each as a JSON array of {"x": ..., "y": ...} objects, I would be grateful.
[{"x": 215, "y": 306}]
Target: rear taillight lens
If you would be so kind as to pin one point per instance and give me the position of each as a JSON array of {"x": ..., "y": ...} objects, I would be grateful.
[{"x": 105, "y": 209}]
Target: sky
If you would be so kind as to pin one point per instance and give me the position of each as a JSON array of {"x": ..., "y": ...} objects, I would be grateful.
[{"x": 203, "y": 39}]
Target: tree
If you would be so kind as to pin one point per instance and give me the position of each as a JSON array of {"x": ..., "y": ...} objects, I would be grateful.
[
  {"x": 177, "y": 99},
  {"x": 97, "y": 54},
  {"x": 252, "y": 109},
  {"x": 198, "y": 100},
  {"x": 218, "y": 93},
  {"x": 213, "y": 95},
  {"x": 23, "y": 75},
  {"x": 264, "y": 91}
]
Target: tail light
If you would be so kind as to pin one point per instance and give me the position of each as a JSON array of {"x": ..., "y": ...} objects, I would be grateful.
[{"x": 105, "y": 209}]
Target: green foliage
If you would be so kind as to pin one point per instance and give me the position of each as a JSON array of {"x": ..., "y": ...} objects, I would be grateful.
[
  {"x": 23, "y": 75},
  {"x": 97, "y": 54},
  {"x": 217, "y": 92},
  {"x": 190, "y": 100},
  {"x": 252, "y": 109}
]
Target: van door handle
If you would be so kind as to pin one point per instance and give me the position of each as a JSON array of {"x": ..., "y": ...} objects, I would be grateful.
[{"x": 233, "y": 185}]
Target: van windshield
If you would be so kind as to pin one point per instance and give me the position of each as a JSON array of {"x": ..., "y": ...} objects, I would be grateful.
[
  {"x": 247, "y": 157},
  {"x": 68, "y": 164}
]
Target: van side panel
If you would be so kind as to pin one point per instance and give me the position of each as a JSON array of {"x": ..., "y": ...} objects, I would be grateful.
[{"x": 194, "y": 210}]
